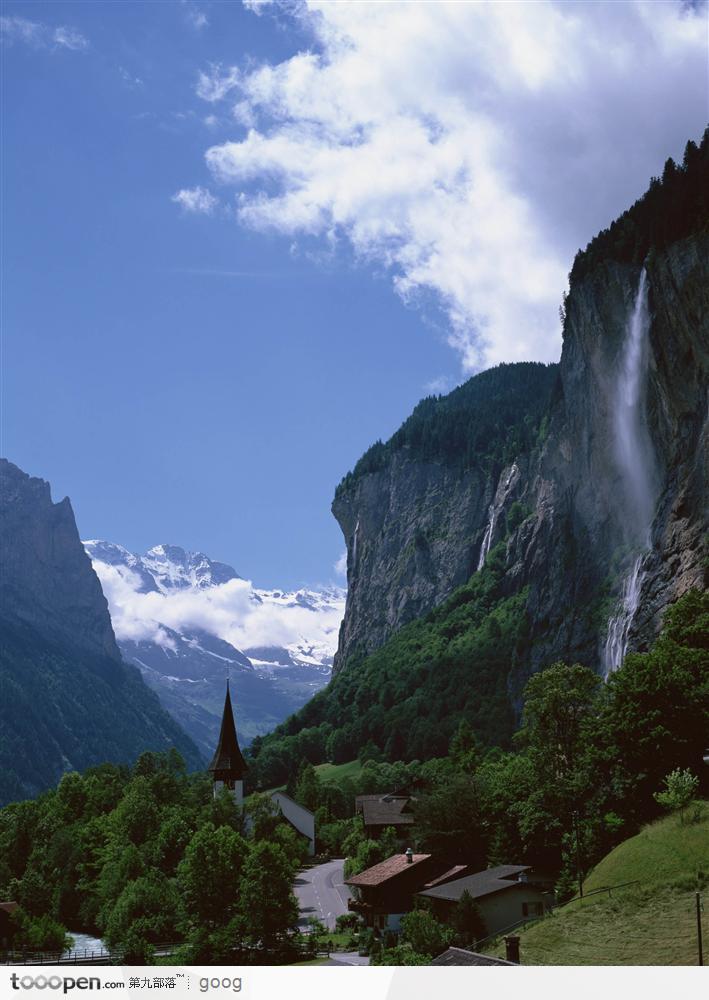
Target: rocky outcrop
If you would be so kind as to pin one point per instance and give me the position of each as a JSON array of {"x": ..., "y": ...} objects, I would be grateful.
[
  {"x": 415, "y": 530},
  {"x": 47, "y": 582},
  {"x": 67, "y": 701}
]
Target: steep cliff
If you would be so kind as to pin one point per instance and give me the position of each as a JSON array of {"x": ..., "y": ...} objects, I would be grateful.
[
  {"x": 418, "y": 512},
  {"x": 579, "y": 509},
  {"x": 47, "y": 582},
  {"x": 609, "y": 523},
  {"x": 66, "y": 699}
]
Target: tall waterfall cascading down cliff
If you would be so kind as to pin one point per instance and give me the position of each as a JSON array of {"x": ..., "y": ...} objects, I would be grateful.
[
  {"x": 634, "y": 455},
  {"x": 487, "y": 537}
]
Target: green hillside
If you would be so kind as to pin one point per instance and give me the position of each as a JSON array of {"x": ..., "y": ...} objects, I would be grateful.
[
  {"x": 651, "y": 923},
  {"x": 334, "y": 774}
]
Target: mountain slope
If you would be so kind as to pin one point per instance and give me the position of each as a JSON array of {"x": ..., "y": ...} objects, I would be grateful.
[
  {"x": 650, "y": 923},
  {"x": 66, "y": 698},
  {"x": 179, "y": 616},
  {"x": 588, "y": 509}
]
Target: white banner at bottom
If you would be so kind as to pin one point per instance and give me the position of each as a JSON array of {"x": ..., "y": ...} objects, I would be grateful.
[{"x": 342, "y": 982}]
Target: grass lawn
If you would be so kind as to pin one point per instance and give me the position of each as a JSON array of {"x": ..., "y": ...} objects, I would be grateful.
[
  {"x": 340, "y": 941},
  {"x": 312, "y": 961},
  {"x": 334, "y": 773},
  {"x": 652, "y": 923}
]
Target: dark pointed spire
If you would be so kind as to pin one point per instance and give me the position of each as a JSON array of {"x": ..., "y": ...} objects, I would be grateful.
[{"x": 228, "y": 763}]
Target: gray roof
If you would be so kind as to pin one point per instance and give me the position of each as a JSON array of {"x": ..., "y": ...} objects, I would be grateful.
[
  {"x": 480, "y": 884},
  {"x": 384, "y": 810},
  {"x": 460, "y": 956}
]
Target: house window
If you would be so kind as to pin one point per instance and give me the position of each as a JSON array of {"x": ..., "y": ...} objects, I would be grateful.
[{"x": 532, "y": 909}]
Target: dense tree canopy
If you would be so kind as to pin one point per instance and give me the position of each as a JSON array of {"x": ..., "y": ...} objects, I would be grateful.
[
  {"x": 485, "y": 423},
  {"x": 145, "y": 856},
  {"x": 675, "y": 205}
]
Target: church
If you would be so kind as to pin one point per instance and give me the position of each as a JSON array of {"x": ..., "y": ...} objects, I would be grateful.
[{"x": 228, "y": 769}]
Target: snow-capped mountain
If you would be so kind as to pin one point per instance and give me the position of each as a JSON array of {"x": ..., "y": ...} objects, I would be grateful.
[{"x": 187, "y": 621}]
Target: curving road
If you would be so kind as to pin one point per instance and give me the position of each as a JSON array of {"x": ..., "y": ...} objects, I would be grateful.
[{"x": 321, "y": 893}]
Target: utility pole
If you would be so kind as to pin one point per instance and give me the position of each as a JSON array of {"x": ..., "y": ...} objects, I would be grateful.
[
  {"x": 698, "y": 899},
  {"x": 575, "y": 817}
]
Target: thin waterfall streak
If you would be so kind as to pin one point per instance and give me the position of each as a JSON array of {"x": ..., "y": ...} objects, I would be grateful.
[
  {"x": 635, "y": 460},
  {"x": 619, "y": 625},
  {"x": 487, "y": 537}
]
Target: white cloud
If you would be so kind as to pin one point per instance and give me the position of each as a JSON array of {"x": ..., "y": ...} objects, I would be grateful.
[
  {"x": 470, "y": 148},
  {"x": 229, "y": 610},
  {"x": 197, "y": 200},
  {"x": 341, "y": 564},
  {"x": 41, "y": 36},
  {"x": 216, "y": 83},
  {"x": 440, "y": 385},
  {"x": 70, "y": 38},
  {"x": 195, "y": 16}
]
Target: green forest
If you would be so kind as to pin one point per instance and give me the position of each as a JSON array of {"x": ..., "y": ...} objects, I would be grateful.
[
  {"x": 405, "y": 700},
  {"x": 145, "y": 855},
  {"x": 675, "y": 205},
  {"x": 484, "y": 423}
]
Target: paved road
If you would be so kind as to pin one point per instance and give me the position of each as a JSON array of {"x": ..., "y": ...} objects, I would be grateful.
[
  {"x": 321, "y": 893},
  {"x": 347, "y": 958}
]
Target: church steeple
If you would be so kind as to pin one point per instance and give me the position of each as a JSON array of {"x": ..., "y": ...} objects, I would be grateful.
[{"x": 228, "y": 766}]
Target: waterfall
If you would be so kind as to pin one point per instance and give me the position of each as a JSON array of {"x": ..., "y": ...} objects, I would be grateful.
[
  {"x": 619, "y": 625},
  {"x": 487, "y": 537},
  {"x": 634, "y": 455},
  {"x": 354, "y": 544},
  {"x": 633, "y": 448}
]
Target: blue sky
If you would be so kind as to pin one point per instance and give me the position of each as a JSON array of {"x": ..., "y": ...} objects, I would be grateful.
[{"x": 239, "y": 245}]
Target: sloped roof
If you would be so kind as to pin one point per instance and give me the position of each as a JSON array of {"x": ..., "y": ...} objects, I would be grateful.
[
  {"x": 457, "y": 871},
  {"x": 384, "y": 810},
  {"x": 386, "y": 870},
  {"x": 228, "y": 762},
  {"x": 479, "y": 884},
  {"x": 461, "y": 956}
]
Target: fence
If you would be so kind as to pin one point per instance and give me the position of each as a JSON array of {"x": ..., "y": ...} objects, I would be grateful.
[{"x": 80, "y": 956}]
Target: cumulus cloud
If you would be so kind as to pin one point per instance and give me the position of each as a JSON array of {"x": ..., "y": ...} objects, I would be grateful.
[
  {"x": 341, "y": 564},
  {"x": 469, "y": 148},
  {"x": 197, "y": 200},
  {"x": 233, "y": 611},
  {"x": 41, "y": 36}
]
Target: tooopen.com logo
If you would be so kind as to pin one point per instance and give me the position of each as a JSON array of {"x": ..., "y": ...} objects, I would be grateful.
[{"x": 63, "y": 983}]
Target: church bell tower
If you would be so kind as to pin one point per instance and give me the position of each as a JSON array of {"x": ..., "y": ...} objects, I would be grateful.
[{"x": 228, "y": 767}]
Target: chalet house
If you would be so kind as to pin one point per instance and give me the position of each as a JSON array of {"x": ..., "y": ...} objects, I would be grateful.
[
  {"x": 387, "y": 891},
  {"x": 381, "y": 811},
  {"x": 506, "y": 896}
]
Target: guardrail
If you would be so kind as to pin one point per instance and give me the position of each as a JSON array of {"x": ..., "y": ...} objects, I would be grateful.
[
  {"x": 605, "y": 888},
  {"x": 79, "y": 956}
]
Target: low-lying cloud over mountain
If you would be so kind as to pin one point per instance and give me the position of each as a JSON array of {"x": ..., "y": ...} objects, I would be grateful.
[{"x": 186, "y": 620}]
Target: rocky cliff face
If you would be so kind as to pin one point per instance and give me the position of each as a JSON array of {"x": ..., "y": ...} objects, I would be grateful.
[
  {"x": 67, "y": 701},
  {"x": 47, "y": 582},
  {"x": 415, "y": 530}
]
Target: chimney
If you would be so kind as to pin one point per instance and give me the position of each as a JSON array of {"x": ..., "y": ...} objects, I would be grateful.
[
  {"x": 512, "y": 948},
  {"x": 409, "y": 855}
]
